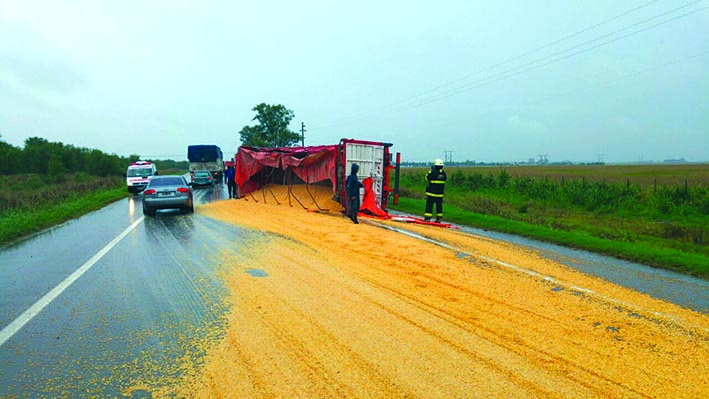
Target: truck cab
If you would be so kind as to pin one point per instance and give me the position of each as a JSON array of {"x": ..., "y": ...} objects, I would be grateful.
[{"x": 138, "y": 175}]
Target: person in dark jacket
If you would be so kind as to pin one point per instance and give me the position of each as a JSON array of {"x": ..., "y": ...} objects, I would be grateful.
[
  {"x": 436, "y": 179},
  {"x": 230, "y": 176},
  {"x": 353, "y": 186}
]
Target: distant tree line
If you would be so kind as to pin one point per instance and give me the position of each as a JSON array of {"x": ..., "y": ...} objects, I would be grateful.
[
  {"x": 43, "y": 157},
  {"x": 418, "y": 164},
  {"x": 170, "y": 164}
]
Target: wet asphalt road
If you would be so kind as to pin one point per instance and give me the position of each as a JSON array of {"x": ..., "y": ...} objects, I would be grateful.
[
  {"x": 681, "y": 289},
  {"x": 131, "y": 315},
  {"x": 137, "y": 310}
]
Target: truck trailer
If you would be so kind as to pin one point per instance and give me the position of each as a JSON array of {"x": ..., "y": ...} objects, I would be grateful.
[
  {"x": 326, "y": 165},
  {"x": 206, "y": 157}
]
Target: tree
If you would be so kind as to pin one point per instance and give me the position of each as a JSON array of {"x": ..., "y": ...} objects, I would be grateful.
[
  {"x": 10, "y": 157},
  {"x": 35, "y": 155},
  {"x": 56, "y": 169},
  {"x": 272, "y": 128}
]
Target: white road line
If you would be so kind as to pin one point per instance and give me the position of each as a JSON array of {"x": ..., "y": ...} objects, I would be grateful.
[
  {"x": 523, "y": 270},
  {"x": 30, "y": 313}
]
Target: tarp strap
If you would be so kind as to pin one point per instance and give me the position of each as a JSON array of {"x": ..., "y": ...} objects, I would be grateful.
[
  {"x": 266, "y": 186},
  {"x": 311, "y": 196},
  {"x": 290, "y": 192}
]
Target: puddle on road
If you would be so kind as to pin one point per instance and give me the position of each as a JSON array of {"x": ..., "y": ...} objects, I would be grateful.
[
  {"x": 681, "y": 289},
  {"x": 389, "y": 285},
  {"x": 256, "y": 272}
]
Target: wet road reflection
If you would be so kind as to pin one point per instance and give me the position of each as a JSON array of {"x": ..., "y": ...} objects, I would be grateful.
[
  {"x": 681, "y": 289},
  {"x": 140, "y": 313},
  {"x": 154, "y": 300}
]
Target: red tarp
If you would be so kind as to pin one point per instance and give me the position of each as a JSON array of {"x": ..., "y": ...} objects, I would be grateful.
[
  {"x": 312, "y": 164},
  {"x": 369, "y": 203}
]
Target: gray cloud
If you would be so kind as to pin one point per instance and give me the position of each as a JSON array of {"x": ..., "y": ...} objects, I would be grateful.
[
  {"x": 27, "y": 61},
  {"x": 470, "y": 76}
]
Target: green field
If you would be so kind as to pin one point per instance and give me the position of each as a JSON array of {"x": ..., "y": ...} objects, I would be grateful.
[
  {"x": 652, "y": 214},
  {"x": 31, "y": 203},
  {"x": 644, "y": 175}
]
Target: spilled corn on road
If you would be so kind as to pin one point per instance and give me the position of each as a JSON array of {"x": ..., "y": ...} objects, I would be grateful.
[{"x": 322, "y": 308}]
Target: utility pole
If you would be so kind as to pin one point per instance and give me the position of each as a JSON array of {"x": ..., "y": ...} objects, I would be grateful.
[
  {"x": 302, "y": 132},
  {"x": 448, "y": 156}
]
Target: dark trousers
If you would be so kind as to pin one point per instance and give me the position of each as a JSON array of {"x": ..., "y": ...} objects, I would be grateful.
[
  {"x": 430, "y": 200},
  {"x": 353, "y": 206},
  {"x": 231, "y": 187}
]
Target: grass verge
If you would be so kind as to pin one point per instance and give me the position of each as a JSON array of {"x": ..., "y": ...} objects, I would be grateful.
[
  {"x": 666, "y": 258},
  {"x": 18, "y": 223}
]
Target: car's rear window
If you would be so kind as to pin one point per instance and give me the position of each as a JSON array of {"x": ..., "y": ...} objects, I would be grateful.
[{"x": 166, "y": 181}]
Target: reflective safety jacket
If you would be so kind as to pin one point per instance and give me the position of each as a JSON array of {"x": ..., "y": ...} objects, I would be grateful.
[{"x": 436, "y": 179}]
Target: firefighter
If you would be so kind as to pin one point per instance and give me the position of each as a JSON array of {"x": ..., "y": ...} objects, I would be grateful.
[
  {"x": 353, "y": 186},
  {"x": 436, "y": 179}
]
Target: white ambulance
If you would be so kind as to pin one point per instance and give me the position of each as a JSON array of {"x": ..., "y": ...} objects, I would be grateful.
[{"x": 138, "y": 175}]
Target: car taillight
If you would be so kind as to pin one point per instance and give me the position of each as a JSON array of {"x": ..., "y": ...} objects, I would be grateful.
[
  {"x": 149, "y": 191},
  {"x": 183, "y": 190}
]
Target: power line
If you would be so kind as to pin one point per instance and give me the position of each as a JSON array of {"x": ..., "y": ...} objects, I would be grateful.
[
  {"x": 492, "y": 79},
  {"x": 590, "y": 86},
  {"x": 512, "y": 72},
  {"x": 450, "y": 83},
  {"x": 616, "y": 79},
  {"x": 394, "y": 108},
  {"x": 531, "y": 51}
]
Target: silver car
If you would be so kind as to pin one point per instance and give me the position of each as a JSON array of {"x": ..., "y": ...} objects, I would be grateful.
[
  {"x": 167, "y": 192},
  {"x": 202, "y": 178}
]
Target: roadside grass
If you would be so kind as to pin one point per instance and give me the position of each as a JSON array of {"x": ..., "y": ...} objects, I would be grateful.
[
  {"x": 682, "y": 231},
  {"x": 33, "y": 203},
  {"x": 657, "y": 215},
  {"x": 647, "y": 253}
]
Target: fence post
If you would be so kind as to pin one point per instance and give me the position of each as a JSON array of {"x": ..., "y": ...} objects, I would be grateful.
[
  {"x": 628, "y": 184},
  {"x": 562, "y": 181},
  {"x": 655, "y": 186}
]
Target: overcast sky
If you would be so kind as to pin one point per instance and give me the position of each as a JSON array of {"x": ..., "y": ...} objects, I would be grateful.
[{"x": 621, "y": 81}]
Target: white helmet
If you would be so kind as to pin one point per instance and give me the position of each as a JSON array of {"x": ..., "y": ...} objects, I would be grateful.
[{"x": 438, "y": 162}]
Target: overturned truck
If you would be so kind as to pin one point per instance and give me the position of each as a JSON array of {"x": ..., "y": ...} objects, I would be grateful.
[{"x": 326, "y": 165}]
